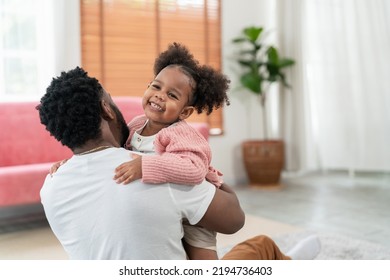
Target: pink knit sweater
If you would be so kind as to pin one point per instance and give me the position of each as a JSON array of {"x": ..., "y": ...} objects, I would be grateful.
[{"x": 183, "y": 156}]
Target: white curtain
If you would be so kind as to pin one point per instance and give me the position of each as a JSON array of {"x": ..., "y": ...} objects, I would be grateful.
[
  {"x": 67, "y": 43},
  {"x": 337, "y": 116},
  {"x": 60, "y": 39}
]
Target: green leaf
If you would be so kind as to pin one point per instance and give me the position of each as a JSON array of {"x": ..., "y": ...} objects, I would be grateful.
[
  {"x": 273, "y": 69},
  {"x": 273, "y": 56},
  {"x": 239, "y": 40},
  {"x": 285, "y": 62},
  {"x": 252, "y": 81},
  {"x": 253, "y": 33}
]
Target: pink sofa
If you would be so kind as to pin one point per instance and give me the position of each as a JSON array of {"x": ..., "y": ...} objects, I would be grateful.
[{"x": 27, "y": 150}]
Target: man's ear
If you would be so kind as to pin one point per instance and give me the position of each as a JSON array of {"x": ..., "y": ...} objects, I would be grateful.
[
  {"x": 186, "y": 112},
  {"x": 107, "y": 112}
]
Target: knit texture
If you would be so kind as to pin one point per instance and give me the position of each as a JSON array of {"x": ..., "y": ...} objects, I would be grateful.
[{"x": 183, "y": 156}]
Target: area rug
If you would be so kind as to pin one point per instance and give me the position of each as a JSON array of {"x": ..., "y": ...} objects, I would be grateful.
[{"x": 337, "y": 247}]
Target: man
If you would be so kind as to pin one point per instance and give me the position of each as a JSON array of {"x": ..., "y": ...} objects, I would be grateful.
[{"x": 94, "y": 217}]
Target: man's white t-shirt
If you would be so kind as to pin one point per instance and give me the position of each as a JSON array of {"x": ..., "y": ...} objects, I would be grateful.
[{"x": 95, "y": 218}]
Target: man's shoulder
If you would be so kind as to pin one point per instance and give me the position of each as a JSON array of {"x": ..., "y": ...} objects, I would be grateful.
[{"x": 121, "y": 154}]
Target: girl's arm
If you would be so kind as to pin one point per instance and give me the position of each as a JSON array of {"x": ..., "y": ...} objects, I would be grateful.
[
  {"x": 183, "y": 157},
  {"x": 55, "y": 166},
  {"x": 129, "y": 171}
]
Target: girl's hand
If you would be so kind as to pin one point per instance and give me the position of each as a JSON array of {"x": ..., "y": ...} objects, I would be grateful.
[
  {"x": 56, "y": 165},
  {"x": 129, "y": 171}
]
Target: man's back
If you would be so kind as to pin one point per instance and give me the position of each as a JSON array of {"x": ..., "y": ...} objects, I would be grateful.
[{"x": 95, "y": 218}]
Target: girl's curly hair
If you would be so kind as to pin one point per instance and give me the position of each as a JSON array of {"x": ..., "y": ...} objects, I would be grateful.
[
  {"x": 71, "y": 109},
  {"x": 210, "y": 86}
]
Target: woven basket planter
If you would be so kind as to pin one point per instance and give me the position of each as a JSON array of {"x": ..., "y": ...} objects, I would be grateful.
[{"x": 264, "y": 161}]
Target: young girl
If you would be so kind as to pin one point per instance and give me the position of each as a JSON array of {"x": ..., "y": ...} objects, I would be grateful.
[{"x": 172, "y": 150}]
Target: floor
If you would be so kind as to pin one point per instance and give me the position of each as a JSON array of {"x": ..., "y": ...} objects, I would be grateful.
[{"x": 336, "y": 203}]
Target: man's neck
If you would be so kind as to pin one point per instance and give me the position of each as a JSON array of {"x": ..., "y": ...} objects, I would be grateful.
[{"x": 92, "y": 146}]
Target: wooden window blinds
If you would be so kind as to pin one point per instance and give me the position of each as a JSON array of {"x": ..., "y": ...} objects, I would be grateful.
[{"x": 121, "y": 39}]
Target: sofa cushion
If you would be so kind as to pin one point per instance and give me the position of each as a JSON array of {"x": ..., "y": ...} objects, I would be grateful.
[
  {"x": 23, "y": 139},
  {"x": 21, "y": 184}
]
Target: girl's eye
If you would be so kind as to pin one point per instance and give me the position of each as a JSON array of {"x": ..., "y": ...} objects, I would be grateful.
[
  {"x": 172, "y": 95},
  {"x": 155, "y": 86}
]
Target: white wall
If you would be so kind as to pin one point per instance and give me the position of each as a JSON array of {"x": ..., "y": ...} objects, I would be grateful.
[{"x": 226, "y": 148}]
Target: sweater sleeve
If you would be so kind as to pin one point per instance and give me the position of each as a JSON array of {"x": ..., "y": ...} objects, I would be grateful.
[{"x": 183, "y": 157}]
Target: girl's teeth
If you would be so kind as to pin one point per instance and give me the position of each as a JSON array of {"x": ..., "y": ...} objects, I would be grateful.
[{"x": 155, "y": 106}]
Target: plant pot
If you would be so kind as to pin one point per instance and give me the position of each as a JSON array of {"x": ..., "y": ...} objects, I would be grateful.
[{"x": 264, "y": 161}]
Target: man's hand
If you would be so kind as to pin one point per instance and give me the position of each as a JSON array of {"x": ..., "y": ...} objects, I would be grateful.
[{"x": 129, "y": 171}]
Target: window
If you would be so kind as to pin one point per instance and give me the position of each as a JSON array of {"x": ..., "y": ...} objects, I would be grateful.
[
  {"x": 120, "y": 40},
  {"x": 38, "y": 40},
  {"x": 19, "y": 49}
]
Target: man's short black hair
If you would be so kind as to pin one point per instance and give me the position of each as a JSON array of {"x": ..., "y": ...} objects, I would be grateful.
[{"x": 71, "y": 109}]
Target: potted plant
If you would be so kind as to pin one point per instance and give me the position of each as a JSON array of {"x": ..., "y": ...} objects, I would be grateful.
[{"x": 262, "y": 66}]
